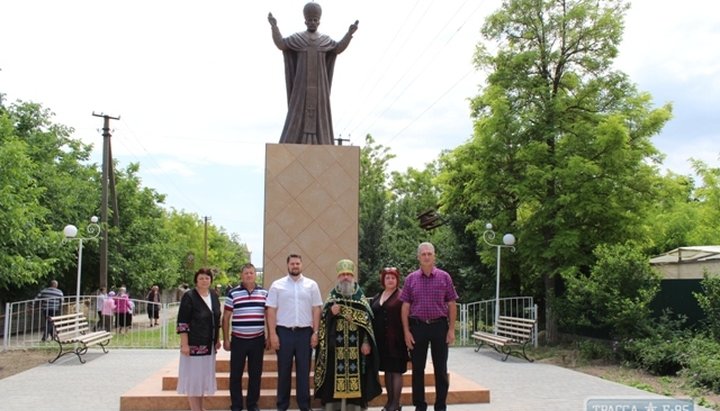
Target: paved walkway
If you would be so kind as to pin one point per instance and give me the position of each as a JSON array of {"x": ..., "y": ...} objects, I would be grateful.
[{"x": 515, "y": 385}]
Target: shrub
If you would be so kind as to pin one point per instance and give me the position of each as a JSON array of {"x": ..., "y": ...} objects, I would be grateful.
[
  {"x": 615, "y": 295},
  {"x": 709, "y": 301},
  {"x": 703, "y": 366},
  {"x": 665, "y": 352},
  {"x": 658, "y": 356},
  {"x": 594, "y": 350}
]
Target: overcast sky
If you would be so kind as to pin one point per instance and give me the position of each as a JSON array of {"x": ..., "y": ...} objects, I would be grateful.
[{"x": 200, "y": 86}]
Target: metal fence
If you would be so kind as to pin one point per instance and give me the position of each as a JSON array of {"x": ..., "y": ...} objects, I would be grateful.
[
  {"x": 480, "y": 315},
  {"x": 23, "y": 322}
]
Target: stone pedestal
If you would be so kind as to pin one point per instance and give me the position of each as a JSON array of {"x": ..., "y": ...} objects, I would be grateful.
[{"x": 311, "y": 209}]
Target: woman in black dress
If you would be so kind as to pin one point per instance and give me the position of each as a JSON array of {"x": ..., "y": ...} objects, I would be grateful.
[
  {"x": 388, "y": 330},
  {"x": 198, "y": 323}
]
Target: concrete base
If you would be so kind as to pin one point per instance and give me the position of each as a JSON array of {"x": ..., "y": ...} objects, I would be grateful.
[{"x": 158, "y": 391}]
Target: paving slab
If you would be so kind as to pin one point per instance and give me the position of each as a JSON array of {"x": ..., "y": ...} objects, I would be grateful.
[{"x": 515, "y": 385}]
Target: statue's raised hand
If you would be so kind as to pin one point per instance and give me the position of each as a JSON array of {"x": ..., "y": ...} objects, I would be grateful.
[
  {"x": 272, "y": 20},
  {"x": 353, "y": 27}
]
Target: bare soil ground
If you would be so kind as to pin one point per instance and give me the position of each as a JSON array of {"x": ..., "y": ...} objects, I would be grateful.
[
  {"x": 673, "y": 386},
  {"x": 16, "y": 361}
]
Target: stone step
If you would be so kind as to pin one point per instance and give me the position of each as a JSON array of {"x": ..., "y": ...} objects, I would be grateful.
[
  {"x": 149, "y": 396},
  {"x": 270, "y": 378},
  {"x": 157, "y": 392},
  {"x": 222, "y": 363}
]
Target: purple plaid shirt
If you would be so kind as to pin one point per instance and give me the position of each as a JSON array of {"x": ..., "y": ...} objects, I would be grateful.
[{"x": 428, "y": 295}]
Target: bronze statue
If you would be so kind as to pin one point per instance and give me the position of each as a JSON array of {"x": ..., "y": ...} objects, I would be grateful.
[{"x": 309, "y": 61}]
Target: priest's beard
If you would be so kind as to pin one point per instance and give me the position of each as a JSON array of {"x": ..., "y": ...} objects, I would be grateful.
[{"x": 346, "y": 288}]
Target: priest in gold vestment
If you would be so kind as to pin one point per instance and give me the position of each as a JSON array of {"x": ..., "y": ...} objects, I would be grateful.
[{"x": 346, "y": 367}]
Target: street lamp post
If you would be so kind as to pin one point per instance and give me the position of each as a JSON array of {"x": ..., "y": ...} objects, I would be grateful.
[
  {"x": 71, "y": 232},
  {"x": 508, "y": 242}
]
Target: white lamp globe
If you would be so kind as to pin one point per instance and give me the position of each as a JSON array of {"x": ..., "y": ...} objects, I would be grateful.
[
  {"x": 94, "y": 219},
  {"x": 508, "y": 239},
  {"x": 70, "y": 231}
]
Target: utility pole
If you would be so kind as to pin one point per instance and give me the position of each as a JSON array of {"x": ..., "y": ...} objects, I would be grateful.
[
  {"x": 205, "y": 262},
  {"x": 106, "y": 170},
  {"x": 340, "y": 140}
]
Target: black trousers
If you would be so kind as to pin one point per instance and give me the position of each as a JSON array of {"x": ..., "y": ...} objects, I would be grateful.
[
  {"x": 294, "y": 344},
  {"x": 48, "y": 325},
  {"x": 432, "y": 335},
  {"x": 252, "y": 352}
]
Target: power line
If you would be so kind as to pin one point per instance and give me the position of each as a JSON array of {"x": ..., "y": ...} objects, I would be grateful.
[
  {"x": 381, "y": 111},
  {"x": 378, "y": 67},
  {"x": 151, "y": 158},
  {"x": 430, "y": 106}
]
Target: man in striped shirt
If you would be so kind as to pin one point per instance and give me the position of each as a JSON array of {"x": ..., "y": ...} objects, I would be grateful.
[
  {"x": 245, "y": 339},
  {"x": 51, "y": 301}
]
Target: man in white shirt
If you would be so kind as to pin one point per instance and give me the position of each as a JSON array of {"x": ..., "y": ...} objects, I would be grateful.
[{"x": 294, "y": 304}]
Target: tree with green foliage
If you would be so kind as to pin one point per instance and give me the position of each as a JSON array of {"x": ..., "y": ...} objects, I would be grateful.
[
  {"x": 674, "y": 215},
  {"x": 43, "y": 186},
  {"x": 412, "y": 192},
  {"x": 707, "y": 199},
  {"x": 141, "y": 247},
  {"x": 709, "y": 301},
  {"x": 561, "y": 153},
  {"x": 687, "y": 212},
  {"x": 47, "y": 182},
  {"x": 389, "y": 207},
  {"x": 374, "y": 199}
]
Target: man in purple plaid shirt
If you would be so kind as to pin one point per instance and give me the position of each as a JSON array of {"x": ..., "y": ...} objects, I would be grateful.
[{"x": 428, "y": 316}]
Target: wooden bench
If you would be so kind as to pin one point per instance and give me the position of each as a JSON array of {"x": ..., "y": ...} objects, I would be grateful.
[
  {"x": 73, "y": 335},
  {"x": 512, "y": 332}
]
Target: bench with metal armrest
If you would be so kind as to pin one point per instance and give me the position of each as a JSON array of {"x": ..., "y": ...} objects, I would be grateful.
[
  {"x": 512, "y": 332},
  {"x": 73, "y": 335}
]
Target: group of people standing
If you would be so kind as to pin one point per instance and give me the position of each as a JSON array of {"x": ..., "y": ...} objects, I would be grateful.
[
  {"x": 113, "y": 309},
  {"x": 353, "y": 337},
  {"x": 117, "y": 309}
]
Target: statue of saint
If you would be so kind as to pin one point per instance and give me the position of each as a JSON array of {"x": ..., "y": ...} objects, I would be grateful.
[{"x": 309, "y": 61}]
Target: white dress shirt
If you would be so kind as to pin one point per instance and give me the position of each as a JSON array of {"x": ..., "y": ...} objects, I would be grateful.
[{"x": 294, "y": 300}]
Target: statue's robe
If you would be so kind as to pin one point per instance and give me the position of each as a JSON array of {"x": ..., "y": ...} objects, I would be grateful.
[{"x": 309, "y": 66}]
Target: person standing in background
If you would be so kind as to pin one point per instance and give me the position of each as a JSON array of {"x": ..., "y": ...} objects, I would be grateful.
[
  {"x": 108, "y": 310},
  {"x": 153, "y": 305},
  {"x": 50, "y": 305},
  {"x": 99, "y": 302}
]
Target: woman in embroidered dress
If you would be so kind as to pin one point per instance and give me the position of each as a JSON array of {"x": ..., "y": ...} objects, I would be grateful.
[
  {"x": 388, "y": 331},
  {"x": 198, "y": 324}
]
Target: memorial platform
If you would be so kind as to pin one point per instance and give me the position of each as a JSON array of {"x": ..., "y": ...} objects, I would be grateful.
[{"x": 157, "y": 392}]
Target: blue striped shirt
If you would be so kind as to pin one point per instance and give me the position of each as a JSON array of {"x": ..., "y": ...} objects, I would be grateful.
[
  {"x": 248, "y": 311},
  {"x": 52, "y": 298}
]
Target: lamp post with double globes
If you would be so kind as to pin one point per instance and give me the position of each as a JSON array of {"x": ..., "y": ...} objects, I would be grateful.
[
  {"x": 71, "y": 232},
  {"x": 508, "y": 242}
]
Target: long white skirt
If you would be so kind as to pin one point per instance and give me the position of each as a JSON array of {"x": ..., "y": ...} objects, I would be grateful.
[{"x": 196, "y": 375}]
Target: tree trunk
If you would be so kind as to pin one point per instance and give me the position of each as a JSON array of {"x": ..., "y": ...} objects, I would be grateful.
[{"x": 551, "y": 326}]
